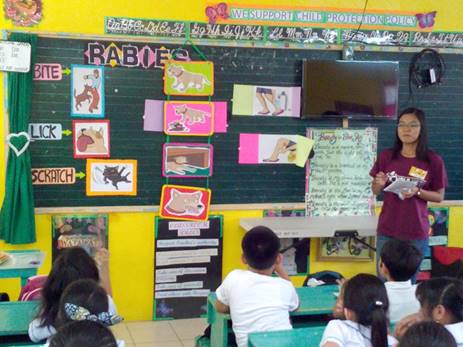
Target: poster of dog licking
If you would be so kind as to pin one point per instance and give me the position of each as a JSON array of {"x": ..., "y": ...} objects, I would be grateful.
[
  {"x": 111, "y": 177},
  {"x": 185, "y": 203},
  {"x": 91, "y": 138},
  {"x": 193, "y": 78},
  {"x": 187, "y": 160},
  {"x": 188, "y": 118},
  {"x": 87, "y": 91}
]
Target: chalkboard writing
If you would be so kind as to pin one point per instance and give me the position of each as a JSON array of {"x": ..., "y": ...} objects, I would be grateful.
[
  {"x": 377, "y": 37},
  {"x": 437, "y": 39},
  {"x": 339, "y": 183},
  {"x": 145, "y": 27},
  {"x": 188, "y": 266},
  {"x": 227, "y": 32},
  {"x": 301, "y": 35}
]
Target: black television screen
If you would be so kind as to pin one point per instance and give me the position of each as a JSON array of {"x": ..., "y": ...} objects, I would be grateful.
[{"x": 353, "y": 89}]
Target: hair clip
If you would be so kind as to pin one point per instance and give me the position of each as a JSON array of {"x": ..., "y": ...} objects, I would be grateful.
[
  {"x": 79, "y": 313},
  {"x": 378, "y": 303}
]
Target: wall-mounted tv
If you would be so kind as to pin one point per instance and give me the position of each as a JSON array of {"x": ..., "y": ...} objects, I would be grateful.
[{"x": 352, "y": 89}]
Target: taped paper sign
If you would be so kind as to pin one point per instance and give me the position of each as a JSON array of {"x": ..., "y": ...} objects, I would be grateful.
[
  {"x": 54, "y": 175},
  {"x": 87, "y": 91},
  {"x": 187, "y": 160},
  {"x": 47, "y": 72},
  {"x": 189, "y": 78},
  {"x": 183, "y": 293},
  {"x": 111, "y": 177},
  {"x": 45, "y": 131},
  {"x": 185, "y": 203},
  {"x": 173, "y": 243},
  {"x": 91, "y": 138},
  {"x": 274, "y": 149},
  {"x": 191, "y": 118},
  {"x": 251, "y": 100},
  {"x": 15, "y": 56}
]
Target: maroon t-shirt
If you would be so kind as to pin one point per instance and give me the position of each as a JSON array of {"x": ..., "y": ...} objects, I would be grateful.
[{"x": 408, "y": 219}]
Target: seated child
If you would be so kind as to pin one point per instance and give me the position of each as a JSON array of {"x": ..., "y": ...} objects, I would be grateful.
[
  {"x": 366, "y": 309},
  {"x": 399, "y": 262},
  {"x": 83, "y": 334},
  {"x": 70, "y": 265},
  {"x": 256, "y": 300},
  {"x": 427, "y": 334}
]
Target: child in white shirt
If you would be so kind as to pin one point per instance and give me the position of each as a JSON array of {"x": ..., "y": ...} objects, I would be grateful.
[
  {"x": 256, "y": 300},
  {"x": 427, "y": 334},
  {"x": 365, "y": 308},
  {"x": 399, "y": 262}
]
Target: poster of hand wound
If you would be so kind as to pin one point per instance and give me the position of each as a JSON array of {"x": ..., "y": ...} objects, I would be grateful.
[
  {"x": 195, "y": 78},
  {"x": 88, "y": 231},
  {"x": 91, "y": 138},
  {"x": 185, "y": 203},
  {"x": 87, "y": 91},
  {"x": 338, "y": 182},
  {"x": 188, "y": 266},
  {"x": 187, "y": 160},
  {"x": 249, "y": 100},
  {"x": 188, "y": 118}
]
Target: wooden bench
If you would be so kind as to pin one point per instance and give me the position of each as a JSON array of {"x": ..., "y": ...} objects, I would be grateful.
[{"x": 301, "y": 337}]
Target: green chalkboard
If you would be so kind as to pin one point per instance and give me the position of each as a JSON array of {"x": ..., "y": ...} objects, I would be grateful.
[{"x": 127, "y": 87}]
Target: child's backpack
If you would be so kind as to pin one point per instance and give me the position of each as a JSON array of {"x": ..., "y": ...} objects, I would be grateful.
[
  {"x": 329, "y": 277},
  {"x": 33, "y": 288},
  {"x": 447, "y": 261}
]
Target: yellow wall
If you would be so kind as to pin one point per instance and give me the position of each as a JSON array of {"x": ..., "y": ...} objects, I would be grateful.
[{"x": 132, "y": 234}]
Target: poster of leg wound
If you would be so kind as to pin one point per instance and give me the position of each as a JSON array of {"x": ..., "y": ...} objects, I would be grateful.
[
  {"x": 267, "y": 149},
  {"x": 188, "y": 266},
  {"x": 187, "y": 160},
  {"x": 91, "y": 138},
  {"x": 189, "y": 118},
  {"x": 251, "y": 100},
  {"x": 111, "y": 177},
  {"x": 89, "y": 231},
  {"x": 189, "y": 78},
  {"x": 185, "y": 203},
  {"x": 87, "y": 91}
]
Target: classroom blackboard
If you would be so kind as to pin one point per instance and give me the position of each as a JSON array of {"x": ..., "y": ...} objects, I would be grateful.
[{"x": 126, "y": 89}]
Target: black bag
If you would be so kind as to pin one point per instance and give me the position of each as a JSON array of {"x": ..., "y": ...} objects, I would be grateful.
[{"x": 329, "y": 277}]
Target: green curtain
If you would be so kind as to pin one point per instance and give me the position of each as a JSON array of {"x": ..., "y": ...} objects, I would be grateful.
[{"x": 17, "y": 222}]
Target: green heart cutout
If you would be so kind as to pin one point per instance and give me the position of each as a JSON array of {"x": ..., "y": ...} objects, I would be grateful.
[{"x": 18, "y": 142}]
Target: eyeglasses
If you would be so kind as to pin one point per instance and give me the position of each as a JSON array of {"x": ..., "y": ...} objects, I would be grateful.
[{"x": 408, "y": 125}]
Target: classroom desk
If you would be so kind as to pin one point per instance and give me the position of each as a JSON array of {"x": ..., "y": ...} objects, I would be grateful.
[
  {"x": 313, "y": 301},
  {"x": 15, "y": 316},
  {"x": 23, "y": 264},
  {"x": 302, "y": 337}
]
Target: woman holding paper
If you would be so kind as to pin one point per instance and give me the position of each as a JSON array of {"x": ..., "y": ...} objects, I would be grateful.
[{"x": 406, "y": 216}]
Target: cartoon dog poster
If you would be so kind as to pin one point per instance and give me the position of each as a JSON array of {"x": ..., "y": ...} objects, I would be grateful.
[
  {"x": 91, "y": 138},
  {"x": 187, "y": 160},
  {"x": 185, "y": 203},
  {"x": 188, "y": 118},
  {"x": 111, "y": 177},
  {"x": 87, "y": 91},
  {"x": 189, "y": 78}
]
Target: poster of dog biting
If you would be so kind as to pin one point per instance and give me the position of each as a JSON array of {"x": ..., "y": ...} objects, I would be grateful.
[
  {"x": 187, "y": 160},
  {"x": 185, "y": 203},
  {"x": 91, "y": 138},
  {"x": 111, "y": 177},
  {"x": 87, "y": 91},
  {"x": 195, "y": 78},
  {"x": 188, "y": 118}
]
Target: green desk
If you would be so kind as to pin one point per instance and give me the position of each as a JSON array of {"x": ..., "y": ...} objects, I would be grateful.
[
  {"x": 23, "y": 264},
  {"x": 302, "y": 337},
  {"x": 15, "y": 316},
  {"x": 313, "y": 301}
]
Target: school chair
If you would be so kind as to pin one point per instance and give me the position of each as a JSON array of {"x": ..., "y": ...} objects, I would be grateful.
[
  {"x": 15, "y": 317},
  {"x": 302, "y": 337}
]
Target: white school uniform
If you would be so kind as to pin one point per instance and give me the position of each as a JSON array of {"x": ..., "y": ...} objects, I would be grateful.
[
  {"x": 346, "y": 333},
  {"x": 456, "y": 330},
  {"x": 257, "y": 303},
  {"x": 402, "y": 299}
]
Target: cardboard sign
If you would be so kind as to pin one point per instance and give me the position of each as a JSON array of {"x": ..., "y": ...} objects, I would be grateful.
[
  {"x": 54, "y": 175},
  {"x": 189, "y": 78},
  {"x": 188, "y": 118},
  {"x": 187, "y": 160},
  {"x": 47, "y": 72},
  {"x": 45, "y": 131},
  {"x": 184, "y": 203}
]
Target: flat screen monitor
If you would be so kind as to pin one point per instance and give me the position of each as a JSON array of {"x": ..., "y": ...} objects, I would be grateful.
[{"x": 352, "y": 89}]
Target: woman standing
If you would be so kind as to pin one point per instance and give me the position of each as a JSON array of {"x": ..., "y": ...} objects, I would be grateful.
[{"x": 407, "y": 218}]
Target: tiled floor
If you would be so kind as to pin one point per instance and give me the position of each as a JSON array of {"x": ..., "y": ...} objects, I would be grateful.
[{"x": 176, "y": 333}]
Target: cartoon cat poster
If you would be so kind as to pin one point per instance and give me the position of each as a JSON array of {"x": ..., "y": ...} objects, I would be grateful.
[
  {"x": 91, "y": 138},
  {"x": 188, "y": 118},
  {"x": 187, "y": 160},
  {"x": 185, "y": 203},
  {"x": 111, "y": 177},
  {"x": 189, "y": 78},
  {"x": 87, "y": 91}
]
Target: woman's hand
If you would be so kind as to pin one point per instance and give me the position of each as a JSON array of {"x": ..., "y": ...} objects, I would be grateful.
[
  {"x": 408, "y": 193},
  {"x": 378, "y": 183}
]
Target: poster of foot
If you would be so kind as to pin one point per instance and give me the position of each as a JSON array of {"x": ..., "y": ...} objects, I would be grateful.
[
  {"x": 87, "y": 91},
  {"x": 189, "y": 78},
  {"x": 111, "y": 177},
  {"x": 187, "y": 160},
  {"x": 268, "y": 149},
  {"x": 91, "y": 138}
]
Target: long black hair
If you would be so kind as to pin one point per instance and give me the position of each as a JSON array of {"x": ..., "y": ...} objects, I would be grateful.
[
  {"x": 71, "y": 265},
  {"x": 83, "y": 334},
  {"x": 427, "y": 334},
  {"x": 366, "y": 296},
  {"x": 422, "y": 145}
]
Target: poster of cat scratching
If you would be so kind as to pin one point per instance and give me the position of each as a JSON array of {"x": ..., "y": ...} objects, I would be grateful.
[
  {"x": 111, "y": 177},
  {"x": 87, "y": 91},
  {"x": 187, "y": 160},
  {"x": 185, "y": 203},
  {"x": 91, "y": 138},
  {"x": 188, "y": 118},
  {"x": 194, "y": 78}
]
